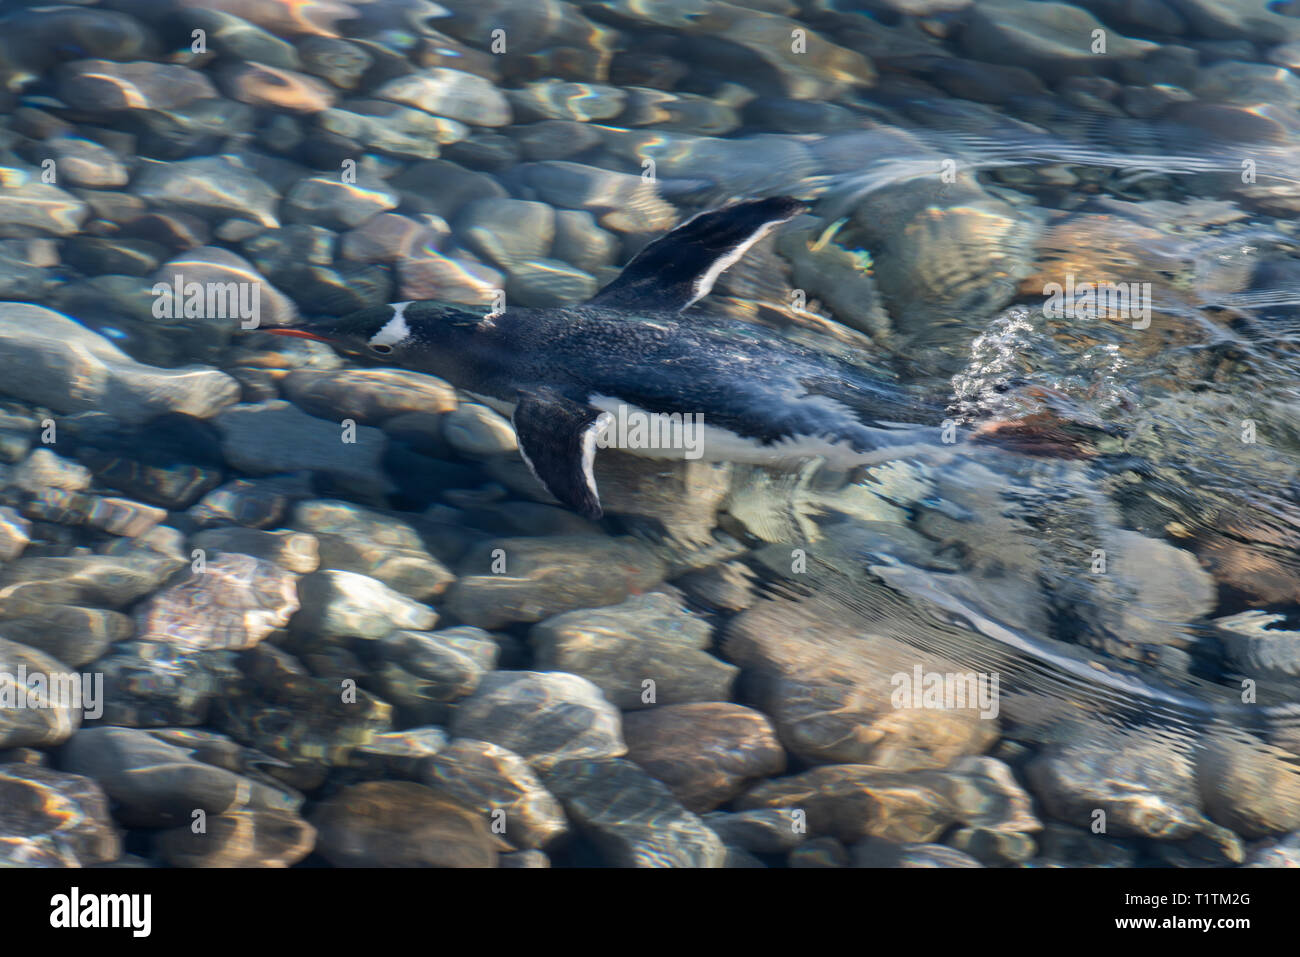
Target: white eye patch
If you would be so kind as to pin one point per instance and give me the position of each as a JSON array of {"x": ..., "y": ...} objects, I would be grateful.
[{"x": 395, "y": 330}]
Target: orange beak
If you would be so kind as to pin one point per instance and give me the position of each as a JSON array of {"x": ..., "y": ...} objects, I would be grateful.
[{"x": 300, "y": 333}]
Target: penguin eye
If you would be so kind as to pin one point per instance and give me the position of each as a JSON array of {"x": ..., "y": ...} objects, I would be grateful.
[{"x": 382, "y": 350}]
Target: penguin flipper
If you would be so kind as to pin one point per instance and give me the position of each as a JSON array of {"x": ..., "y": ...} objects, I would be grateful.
[
  {"x": 557, "y": 440},
  {"x": 681, "y": 267}
]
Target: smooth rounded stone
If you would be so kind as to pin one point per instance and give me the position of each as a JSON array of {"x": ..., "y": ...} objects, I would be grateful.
[
  {"x": 1229, "y": 21},
  {"x": 633, "y": 819},
  {"x": 370, "y": 396},
  {"x": 560, "y": 100},
  {"x": 478, "y": 431},
  {"x": 688, "y": 113},
  {"x": 329, "y": 202},
  {"x": 757, "y": 164},
  {"x": 548, "y": 283},
  {"x": 762, "y": 831},
  {"x": 1254, "y": 642},
  {"x": 1146, "y": 102},
  {"x": 57, "y": 505},
  {"x": 484, "y": 150},
  {"x": 390, "y": 238},
  {"x": 345, "y": 604},
  {"x": 578, "y": 240},
  {"x": 422, "y": 671},
  {"x": 828, "y": 689},
  {"x": 237, "y": 39},
  {"x": 209, "y": 186},
  {"x": 37, "y": 714},
  {"x": 401, "y": 824},
  {"x": 297, "y": 552},
  {"x": 1064, "y": 846},
  {"x": 644, "y": 652},
  {"x": 84, "y": 162},
  {"x": 156, "y": 784},
  {"x": 1052, "y": 39},
  {"x": 851, "y": 801},
  {"x": 432, "y": 275},
  {"x": 506, "y": 230},
  {"x": 726, "y": 587},
  {"x": 43, "y": 469},
  {"x": 984, "y": 82},
  {"x": 52, "y": 819},
  {"x": 874, "y": 852},
  {"x": 546, "y": 718},
  {"x": 354, "y": 539},
  {"x": 276, "y": 250},
  {"x": 501, "y": 786},
  {"x": 1145, "y": 786},
  {"x": 218, "y": 268},
  {"x": 309, "y": 721},
  {"x": 245, "y": 837},
  {"x": 399, "y": 754},
  {"x": 35, "y": 209},
  {"x": 621, "y": 202},
  {"x": 541, "y": 577},
  {"x": 96, "y": 256},
  {"x": 102, "y": 85},
  {"x": 15, "y": 534},
  {"x": 263, "y": 85},
  {"x": 112, "y": 581},
  {"x": 270, "y": 437},
  {"x": 255, "y": 503},
  {"x": 553, "y": 139},
  {"x": 233, "y": 602},
  {"x": 340, "y": 62},
  {"x": 443, "y": 188},
  {"x": 283, "y": 17},
  {"x": 530, "y": 858},
  {"x": 450, "y": 93},
  {"x": 704, "y": 752},
  {"x": 401, "y": 131},
  {"x": 69, "y": 633},
  {"x": 1246, "y": 785},
  {"x": 148, "y": 685}
]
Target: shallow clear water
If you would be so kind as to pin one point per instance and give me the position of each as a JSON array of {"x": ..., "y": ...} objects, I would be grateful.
[{"x": 1061, "y": 236}]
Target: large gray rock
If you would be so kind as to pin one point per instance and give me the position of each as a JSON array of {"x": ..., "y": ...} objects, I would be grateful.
[{"x": 53, "y": 361}]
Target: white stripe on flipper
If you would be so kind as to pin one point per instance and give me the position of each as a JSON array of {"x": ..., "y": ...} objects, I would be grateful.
[
  {"x": 704, "y": 283},
  {"x": 589, "y": 437},
  {"x": 395, "y": 330}
]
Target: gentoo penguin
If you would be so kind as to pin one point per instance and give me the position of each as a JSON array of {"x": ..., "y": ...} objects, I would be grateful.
[{"x": 565, "y": 375}]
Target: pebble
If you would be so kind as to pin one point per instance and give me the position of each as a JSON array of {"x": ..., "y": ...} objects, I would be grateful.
[
  {"x": 422, "y": 672},
  {"x": 296, "y": 552},
  {"x": 267, "y": 438},
  {"x": 542, "y": 577},
  {"x": 501, "y": 786},
  {"x": 705, "y": 753},
  {"x": 644, "y": 652},
  {"x": 260, "y": 84},
  {"x": 345, "y": 604},
  {"x": 54, "y": 819},
  {"x": 329, "y": 202},
  {"x": 103, "y": 85},
  {"x": 49, "y": 717},
  {"x": 370, "y": 396},
  {"x": 83, "y": 162},
  {"x": 243, "y": 837},
  {"x": 354, "y": 539},
  {"x": 546, "y": 718},
  {"x": 233, "y": 601},
  {"x": 633, "y": 819},
  {"x": 450, "y": 93},
  {"x": 478, "y": 432},
  {"x": 401, "y": 824},
  {"x": 72, "y": 634},
  {"x": 157, "y": 784},
  {"x": 209, "y": 186}
]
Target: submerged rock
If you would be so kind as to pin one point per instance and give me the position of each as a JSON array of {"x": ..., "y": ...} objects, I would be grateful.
[
  {"x": 56, "y": 362},
  {"x": 646, "y": 651},
  {"x": 52, "y": 819},
  {"x": 545, "y": 718},
  {"x": 401, "y": 824}
]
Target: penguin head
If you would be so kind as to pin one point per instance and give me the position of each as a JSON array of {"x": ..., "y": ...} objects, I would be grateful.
[{"x": 391, "y": 333}]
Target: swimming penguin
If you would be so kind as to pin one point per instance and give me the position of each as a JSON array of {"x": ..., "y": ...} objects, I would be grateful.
[{"x": 565, "y": 375}]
